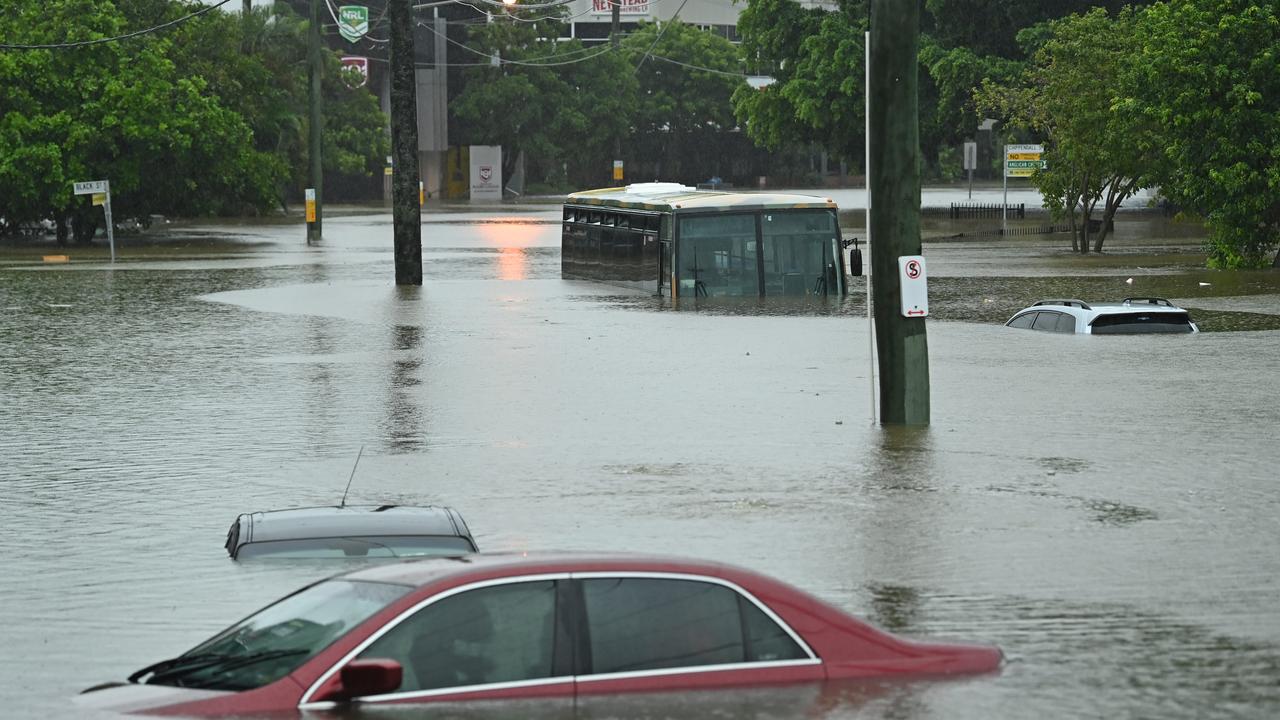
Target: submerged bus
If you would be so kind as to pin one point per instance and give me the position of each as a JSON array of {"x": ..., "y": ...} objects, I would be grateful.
[{"x": 679, "y": 242}]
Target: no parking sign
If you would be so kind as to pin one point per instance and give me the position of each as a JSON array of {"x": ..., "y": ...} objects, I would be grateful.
[{"x": 914, "y": 285}]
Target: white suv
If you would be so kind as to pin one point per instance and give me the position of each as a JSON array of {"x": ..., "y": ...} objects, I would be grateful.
[{"x": 1132, "y": 315}]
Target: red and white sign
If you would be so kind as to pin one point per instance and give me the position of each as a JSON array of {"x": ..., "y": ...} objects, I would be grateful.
[
  {"x": 914, "y": 285},
  {"x": 626, "y": 7},
  {"x": 358, "y": 70}
]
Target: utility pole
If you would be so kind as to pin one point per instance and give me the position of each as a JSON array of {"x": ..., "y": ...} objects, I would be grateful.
[
  {"x": 894, "y": 188},
  {"x": 615, "y": 39},
  {"x": 406, "y": 212},
  {"x": 315, "y": 69}
]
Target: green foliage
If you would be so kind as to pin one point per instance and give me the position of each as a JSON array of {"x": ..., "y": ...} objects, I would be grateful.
[
  {"x": 816, "y": 57},
  {"x": 560, "y": 103},
  {"x": 181, "y": 121},
  {"x": 123, "y": 111},
  {"x": 683, "y": 115},
  {"x": 1206, "y": 76},
  {"x": 1069, "y": 97}
]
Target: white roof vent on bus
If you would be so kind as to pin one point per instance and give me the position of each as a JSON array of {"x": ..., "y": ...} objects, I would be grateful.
[{"x": 655, "y": 188}]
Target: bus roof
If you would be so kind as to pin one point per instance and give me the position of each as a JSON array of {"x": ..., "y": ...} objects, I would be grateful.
[{"x": 673, "y": 196}]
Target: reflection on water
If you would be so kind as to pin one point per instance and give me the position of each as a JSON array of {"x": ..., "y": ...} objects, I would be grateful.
[{"x": 1101, "y": 508}]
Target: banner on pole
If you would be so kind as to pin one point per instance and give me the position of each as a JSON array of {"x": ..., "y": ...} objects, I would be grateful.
[
  {"x": 356, "y": 70},
  {"x": 353, "y": 21}
]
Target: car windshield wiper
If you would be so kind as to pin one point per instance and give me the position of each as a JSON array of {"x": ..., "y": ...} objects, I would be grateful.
[
  {"x": 182, "y": 662},
  {"x": 183, "y": 665},
  {"x": 234, "y": 662}
]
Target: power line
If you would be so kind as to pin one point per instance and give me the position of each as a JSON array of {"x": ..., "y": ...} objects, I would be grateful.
[
  {"x": 100, "y": 41},
  {"x": 500, "y": 59},
  {"x": 662, "y": 30},
  {"x": 699, "y": 67}
]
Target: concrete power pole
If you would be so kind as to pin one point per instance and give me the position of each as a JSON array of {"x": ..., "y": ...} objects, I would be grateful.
[
  {"x": 406, "y": 212},
  {"x": 315, "y": 69},
  {"x": 894, "y": 187}
]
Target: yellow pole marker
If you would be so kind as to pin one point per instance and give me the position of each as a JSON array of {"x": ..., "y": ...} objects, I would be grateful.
[
  {"x": 311, "y": 205},
  {"x": 422, "y": 194}
]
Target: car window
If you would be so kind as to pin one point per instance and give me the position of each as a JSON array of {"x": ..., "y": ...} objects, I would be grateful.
[
  {"x": 502, "y": 633},
  {"x": 1046, "y": 321},
  {"x": 1066, "y": 323},
  {"x": 1141, "y": 322},
  {"x": 380, "y": 546},
  {"x": 1023, "y": 321},
  {"x": 649, "y": 623}
]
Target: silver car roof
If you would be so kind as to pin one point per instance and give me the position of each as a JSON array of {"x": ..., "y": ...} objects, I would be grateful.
[{"x": 332, "y": 521}]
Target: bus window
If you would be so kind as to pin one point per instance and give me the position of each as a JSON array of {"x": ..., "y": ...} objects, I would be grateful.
[
  {"x": 798, "y": 252},
  {"x": 718, "y": 255}
]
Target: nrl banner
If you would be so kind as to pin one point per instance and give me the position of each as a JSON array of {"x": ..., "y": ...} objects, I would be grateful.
[
  {"x": 357, "y": 70},
  {"x": 353, "y": 21}
]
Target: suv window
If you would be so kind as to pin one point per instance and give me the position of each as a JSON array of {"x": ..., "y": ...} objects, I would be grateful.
[
  {"x": 650, "y": 623},
  {"x": 1046, "y": 321},
  {"x": 1023, "y": 321},
  {"x": 1066, "y": 323},
  {"x": 1140, "y": 322},
  {"x": 495, "y": 634}
]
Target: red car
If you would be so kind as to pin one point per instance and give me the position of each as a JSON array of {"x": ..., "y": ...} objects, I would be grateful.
[{"x": 514, "y": 626}]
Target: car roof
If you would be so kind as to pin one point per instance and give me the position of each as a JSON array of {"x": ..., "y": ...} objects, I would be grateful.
[
  {"x": 1081, "y": 308},
  {"x": 479, "y": 566},
  {"x": 330, "y": 521},
  {"x": 673, "y": 196}
]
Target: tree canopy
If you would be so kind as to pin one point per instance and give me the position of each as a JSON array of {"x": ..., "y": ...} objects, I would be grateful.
[
  {"x": 181, "y": 121},
  {"x": 1205, "y": 76}
]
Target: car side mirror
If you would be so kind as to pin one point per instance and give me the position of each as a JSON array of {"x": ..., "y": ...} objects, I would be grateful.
[{"x": 374, "y": 676}]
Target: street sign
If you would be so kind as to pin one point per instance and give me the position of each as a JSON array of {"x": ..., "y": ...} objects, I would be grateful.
[
  {"x": 311, "y": 204},
  {"x": 100, "y": 190},
  {"x": 1023, "y": 160},
  {"x": 914, "y": 286},
  {"x": 91, "y": 187},
  {"x": 971, "y": 156},
  {"x": 617, "y": 169}
]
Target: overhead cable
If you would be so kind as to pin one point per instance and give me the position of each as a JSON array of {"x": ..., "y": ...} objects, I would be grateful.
[{"x": 100, "y": 41}]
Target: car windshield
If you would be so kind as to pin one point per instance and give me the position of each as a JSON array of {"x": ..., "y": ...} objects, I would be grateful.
[
  {"x": 378, "y": 546},
  {"x": 1142, "y": 322},
  {"x": 269, "y": 644}
]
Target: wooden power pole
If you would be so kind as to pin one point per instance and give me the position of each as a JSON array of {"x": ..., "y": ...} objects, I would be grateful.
[
  {"x": 315, "y": 69},
  {"x": 894, "y": 188},
  {"x": 406, "y": 211}
]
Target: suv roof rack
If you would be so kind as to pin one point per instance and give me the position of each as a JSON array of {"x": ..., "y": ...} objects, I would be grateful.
[
  {"x": 1068, "y": 302},
  {"x": 1148, "y": 300}
]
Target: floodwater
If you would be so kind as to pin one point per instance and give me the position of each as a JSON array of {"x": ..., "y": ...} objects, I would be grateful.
[{"x": 1102, "y": 508}]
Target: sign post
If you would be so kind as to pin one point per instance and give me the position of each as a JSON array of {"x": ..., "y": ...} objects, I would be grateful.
[
  {"x": 101, "y": 192},
  {"x": 1019, "y": 161},
  {"x": 311, "y": 212},
  {"x": 617, "y": 170},
  {"x": 970, "y": 162}
]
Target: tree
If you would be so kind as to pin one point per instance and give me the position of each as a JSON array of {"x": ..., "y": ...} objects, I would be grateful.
[
  {"x": 1205, "y": 76},
  {"x": 815, "y": 56},
  {"x": 120, "y": 111},
  {"x": 683, "y": 117},
  {"x": 1069, "y": 97},
  {"x": 558, "y": 102}
]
